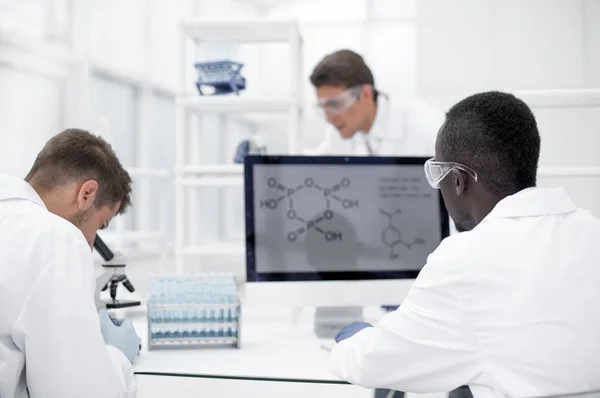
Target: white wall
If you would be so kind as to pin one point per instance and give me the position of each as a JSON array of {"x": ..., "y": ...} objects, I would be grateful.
[
  {"x": 468, "y": 46},
  {"x": 592, "y": 42},
  {"x": 439, "y": 50},
  {"x": 571, "y": 138},
  {"x": 30, "y": 113},
  {"x": 32, "y": 82},
  {"x": 132, "y": 46}
]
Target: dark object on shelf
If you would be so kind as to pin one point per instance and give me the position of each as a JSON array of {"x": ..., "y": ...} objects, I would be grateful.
[{"x": 248, "y": 147}]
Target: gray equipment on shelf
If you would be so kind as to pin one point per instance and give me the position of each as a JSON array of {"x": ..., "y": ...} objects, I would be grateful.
[{"x": 250, "y": 146}]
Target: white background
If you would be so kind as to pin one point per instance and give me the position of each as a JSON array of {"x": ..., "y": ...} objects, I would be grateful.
[
  {"x": 438, "y": 50},
  {"x": 441, "y": 51}
]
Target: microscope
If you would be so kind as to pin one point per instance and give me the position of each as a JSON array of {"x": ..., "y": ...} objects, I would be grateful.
[{"x": 113, "y": 275}]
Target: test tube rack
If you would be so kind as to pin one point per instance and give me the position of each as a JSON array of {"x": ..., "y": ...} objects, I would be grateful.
[{"x": 206, "y": 317}]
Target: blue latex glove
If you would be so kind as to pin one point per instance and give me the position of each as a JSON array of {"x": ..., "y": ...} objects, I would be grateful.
[
  {"x": 350, "y": 330},
  {"x": 120, "y": 334}
]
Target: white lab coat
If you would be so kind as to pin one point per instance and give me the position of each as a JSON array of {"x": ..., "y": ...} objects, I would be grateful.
[
  {"x": 402, "y": 128},
  {"x": 511, "y": 308},
  {"x": 50, "y": 339}
]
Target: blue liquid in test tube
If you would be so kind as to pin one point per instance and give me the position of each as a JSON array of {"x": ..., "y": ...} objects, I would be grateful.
[
  {"x": 189, "y": 313},
  {"x": 180, "y": 301},
  {"x": 207, "y": 300}
]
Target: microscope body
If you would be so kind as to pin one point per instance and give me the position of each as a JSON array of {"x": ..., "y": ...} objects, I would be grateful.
[{"x": 113, "y": 274}]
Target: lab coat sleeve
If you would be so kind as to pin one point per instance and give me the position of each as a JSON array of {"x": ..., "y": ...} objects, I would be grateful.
[
  {"x": 58, "y": 329},
  {"x": 123, "y": 369},
  {"x": 425, "y": 346}
]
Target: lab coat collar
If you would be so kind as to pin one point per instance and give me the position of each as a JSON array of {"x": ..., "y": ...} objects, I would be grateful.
[
  {"x": 533, "y": 202},
  {"x": 379, "y": 130},
  {"x": 12, "y": 187},
  {"x": 381, "y": 126}
]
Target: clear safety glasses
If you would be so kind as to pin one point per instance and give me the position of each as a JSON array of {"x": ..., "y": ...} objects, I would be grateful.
[
  {"x": 340, "y": 103},
  {"x": 435, "y": 172}
]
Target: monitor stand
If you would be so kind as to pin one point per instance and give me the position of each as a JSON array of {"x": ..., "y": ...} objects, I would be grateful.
[{"x": 329, "y": 320}]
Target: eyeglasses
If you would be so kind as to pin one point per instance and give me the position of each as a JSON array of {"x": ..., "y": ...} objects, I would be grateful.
[
  {"x": 340, "y": 103},
  {"x": 435, "y": 172}
]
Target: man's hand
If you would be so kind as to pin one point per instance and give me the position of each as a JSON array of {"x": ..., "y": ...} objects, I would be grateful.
[
  {"x": 120, "y": 334},
  {"x": 350, "y": 330}
]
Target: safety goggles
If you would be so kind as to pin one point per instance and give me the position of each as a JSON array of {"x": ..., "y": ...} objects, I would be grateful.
[
  {"x": 340, "y": 103},
  {"x": 435, "y": 172}
]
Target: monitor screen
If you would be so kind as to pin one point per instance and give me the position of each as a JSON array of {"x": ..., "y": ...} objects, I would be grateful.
[{"x": 339, "y": 218}]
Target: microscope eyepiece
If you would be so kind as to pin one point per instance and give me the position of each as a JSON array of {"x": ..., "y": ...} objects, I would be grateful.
[{"x": 103, "y": 249}]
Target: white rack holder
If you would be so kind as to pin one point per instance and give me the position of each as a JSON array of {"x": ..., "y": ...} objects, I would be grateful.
[
  {"x": 188, "y": 331},
  {"x": 191, "y": 332}
]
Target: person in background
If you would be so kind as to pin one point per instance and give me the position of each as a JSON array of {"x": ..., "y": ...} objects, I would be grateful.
[
  {"x": 53, "y": 342},
  {"x": 365, "y": 121},
  {"x": 509, "y": 306}
]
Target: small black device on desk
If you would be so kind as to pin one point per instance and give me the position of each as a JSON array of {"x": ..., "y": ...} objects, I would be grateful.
[{"x": 115, "y": 264}]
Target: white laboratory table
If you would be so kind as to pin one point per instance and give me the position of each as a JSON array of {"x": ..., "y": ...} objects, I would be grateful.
[{"x": 273, "y": 348}]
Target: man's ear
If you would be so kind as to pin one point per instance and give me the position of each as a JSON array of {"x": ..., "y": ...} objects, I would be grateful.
[
  {"x": 460, "y": 182},
  {"x": 367, "y": 91},
  {"x": 87, "y": 195}
]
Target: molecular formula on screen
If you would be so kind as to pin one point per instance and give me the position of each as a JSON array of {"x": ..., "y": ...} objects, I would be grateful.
[
  {"x": 329, "y": 195},
  {"x": 391, "y": 235}
]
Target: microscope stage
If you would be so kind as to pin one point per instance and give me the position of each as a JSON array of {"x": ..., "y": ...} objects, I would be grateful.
[{"x": 121, "y": 304}]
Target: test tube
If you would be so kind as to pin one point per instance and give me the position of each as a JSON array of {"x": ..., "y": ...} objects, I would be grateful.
[
  {"x": 180, "y": 301},
  {"x": 199, "y": 310},
  {"x": 177, "y": 334},
  {"x": 207, "y": 299},
  {"x": 171, "y": 294},
  {"x": 162, "y": 300}
]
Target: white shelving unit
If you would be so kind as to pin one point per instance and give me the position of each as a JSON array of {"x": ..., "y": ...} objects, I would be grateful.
[
  {"x": 230, "y": 104},
  {"x": 191, "y": 175}
]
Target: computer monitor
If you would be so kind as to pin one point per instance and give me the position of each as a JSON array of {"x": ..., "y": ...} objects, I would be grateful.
[{"x": 345, "y": 230}]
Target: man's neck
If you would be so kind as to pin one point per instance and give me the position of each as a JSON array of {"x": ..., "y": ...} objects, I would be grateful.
[
  {"x": 487, "y": 203},
  {"x": 52, "y": 200},
  {"x": 370, "y": 119},
  {"x": 37, "y": 190}
]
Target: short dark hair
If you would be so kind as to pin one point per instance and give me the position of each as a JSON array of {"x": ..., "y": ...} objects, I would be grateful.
[
  {"x": 496, "y": 135},
  {"x": 75, "y": 156},
  {"x": 343, "y": 68}
]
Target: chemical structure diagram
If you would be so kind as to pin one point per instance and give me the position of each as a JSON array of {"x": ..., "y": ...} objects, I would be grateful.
[
  {"x": 391, "y": 235},
  {"x": 330, "y": 194}
]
